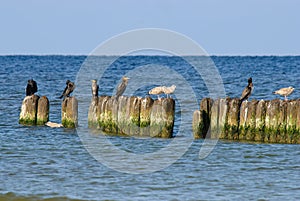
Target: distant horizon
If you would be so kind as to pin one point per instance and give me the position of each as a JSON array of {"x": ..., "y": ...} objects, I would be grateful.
[{"x": 188, "y": 55}]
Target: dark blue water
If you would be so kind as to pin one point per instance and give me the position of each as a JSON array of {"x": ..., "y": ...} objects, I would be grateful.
[{"x": 40, "y": 162}]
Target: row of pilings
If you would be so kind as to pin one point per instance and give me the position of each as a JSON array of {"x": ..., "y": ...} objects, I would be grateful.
[
  {"x": 132, "y": 116},
  {"x": 270, "y": 121},
  {"x": 35, "y": 111}
]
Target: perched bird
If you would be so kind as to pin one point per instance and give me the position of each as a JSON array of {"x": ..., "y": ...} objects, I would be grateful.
[
  {"x": 95, "y": 88},
  {"x": 284, "y": 92},
  {"x": 169, "y": 90},
  {"x": 157, "y": 91},
  {"x": 31, "y": 87},
  {"x": 69, "y": 89},
  {"x": 247, "y": 91},
  {"x": 122, "y": 86}
]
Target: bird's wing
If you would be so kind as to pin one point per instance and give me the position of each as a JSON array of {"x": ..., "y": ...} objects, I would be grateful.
[
  {"x": 246, "y": 92},
  {"x": 35, "y": 88},
  {"x": 120, "y": 90},
  {"x": 64, "y": 93}
]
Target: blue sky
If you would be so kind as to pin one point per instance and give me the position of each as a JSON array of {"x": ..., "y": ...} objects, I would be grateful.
[{"x": 221, "y": 27}]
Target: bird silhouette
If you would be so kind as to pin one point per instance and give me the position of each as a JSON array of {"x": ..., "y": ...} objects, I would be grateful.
[
  {"x": 70, "y": 86},
  {"x": 247, "y": 91},
  {"x": 31, "y": 87}
]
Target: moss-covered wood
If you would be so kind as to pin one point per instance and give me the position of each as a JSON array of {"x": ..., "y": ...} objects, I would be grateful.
[
  {"x": 93, "y": 113},
  {"x": 222, "y": 120},
  {"x": 28, "y": 112},
  {"x": 156, "y": 119},
  {"x": 69, "y": 112},
  {"x": 42, "y": 111},
  {"x": 122, "y": 115},
  {"x": 168, "y": 113},
  {"x": 145, "y": 111},
  {"x": 134, "y": 116},
  {"x": 232, "y": 121},
  {"x": 257, "y": 132},
  {"x": 274, "y": 121},
  {"x": 214, "y": 120}
]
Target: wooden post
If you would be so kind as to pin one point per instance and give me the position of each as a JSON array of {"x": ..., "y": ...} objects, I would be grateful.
[
  {"x": 42, "y": 111},
  {"x": 146, "y": 106},
  {"x": 260, "y": 122},
  {"x": 168, "y": 112},
  {"x": 122, "y": 118},
  {"x": 197, "y": 124},
  {"x": 134, "y": 115},
  {"x": 272, "y": 122},
  {"x": 292, "y": 128},
  {"x": 222, "y": 119},
  {"x": 233, "y": 118},
  {"x": 69, "y": 112},
  {"x": 296, "y": 135},
  {"x": 102, "y": 100},
  {"x": 251, "y": 121},
  {"x": 156, "y": 119},
  {"x": 243, "y": 127},
  {"x": 93, "y": 113},
  {"x": 205, "y": 112},
  {"x": 282, "y": 121},
  {"x": 108, "y": 115},
  {"x": 247, "y": 120},
  {"x": 114, "y": 115},
  {"x": 29, "y": 110},
  {"x": 214, "y": 122}
]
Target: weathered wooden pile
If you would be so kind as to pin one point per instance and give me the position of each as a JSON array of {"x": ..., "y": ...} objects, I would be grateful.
[
  {"x": 69, "y": 112},
  {"x": 133, "y": 116},
  {"x": 35, "y": 111},
  {"x": 272, "y": 121}
]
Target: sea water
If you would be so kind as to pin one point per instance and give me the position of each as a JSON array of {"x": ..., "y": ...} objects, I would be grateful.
[{"x": 38, "y": 162}]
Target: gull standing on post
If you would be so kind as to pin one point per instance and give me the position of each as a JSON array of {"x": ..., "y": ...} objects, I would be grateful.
[
  {"x": 157, "y": 91},
  {"x": 169, "y": 90},
  {"x": 284, "y": 92}
]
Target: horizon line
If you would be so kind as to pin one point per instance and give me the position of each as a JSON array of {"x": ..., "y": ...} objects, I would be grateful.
[{"x": 210, "y": 55}]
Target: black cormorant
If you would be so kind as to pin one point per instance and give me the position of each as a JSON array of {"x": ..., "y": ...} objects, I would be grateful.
[
  {"x": 69, "y": 89},
  {"x": 31, "y": 87},
  {"x": 247, "y": 91}
]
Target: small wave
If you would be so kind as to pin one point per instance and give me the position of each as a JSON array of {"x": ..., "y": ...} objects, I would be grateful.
[{"x": 14, "y": 197}]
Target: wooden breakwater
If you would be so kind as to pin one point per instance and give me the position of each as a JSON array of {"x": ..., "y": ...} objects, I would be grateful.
[
  {"x": 34, "y": 110},
  {"x": 270, "y": 121},
  {"x": 133, "y": 116}
]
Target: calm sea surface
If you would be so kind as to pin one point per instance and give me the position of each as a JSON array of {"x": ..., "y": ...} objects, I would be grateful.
[{"x": 42, "y": 163}]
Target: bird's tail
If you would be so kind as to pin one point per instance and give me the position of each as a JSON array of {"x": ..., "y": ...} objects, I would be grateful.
[{"x": 61, "y": 96}]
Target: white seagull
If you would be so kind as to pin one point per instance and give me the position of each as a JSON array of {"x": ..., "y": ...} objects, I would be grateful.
[{"x": 284, "y": 92}]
